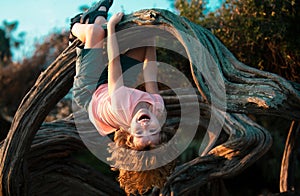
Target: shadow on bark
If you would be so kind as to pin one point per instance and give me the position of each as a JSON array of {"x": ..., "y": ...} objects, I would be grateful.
[{"x": 36, "y": 157}]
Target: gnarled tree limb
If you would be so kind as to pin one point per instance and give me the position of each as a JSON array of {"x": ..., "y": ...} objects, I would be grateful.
[{"x": 247, "y": 91}]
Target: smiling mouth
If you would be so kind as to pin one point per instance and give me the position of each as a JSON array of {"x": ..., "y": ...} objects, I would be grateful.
[{"x": 143, "y": 118}]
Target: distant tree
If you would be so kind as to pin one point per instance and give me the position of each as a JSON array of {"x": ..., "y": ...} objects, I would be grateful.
[
  {"x": 262, "y": 34},
  {"x": 5, "y": 54},
  {"x": 191, "y": 9},
  {"x": 8, "y": 41},
  {"x": 83, "y": 8}
]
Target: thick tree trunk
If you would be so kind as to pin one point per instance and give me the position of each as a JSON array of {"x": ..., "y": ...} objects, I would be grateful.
[{"x": 35, "y": 161}]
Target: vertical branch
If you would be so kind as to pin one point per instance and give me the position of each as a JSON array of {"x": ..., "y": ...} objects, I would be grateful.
[{"x": 287, "y": 177}]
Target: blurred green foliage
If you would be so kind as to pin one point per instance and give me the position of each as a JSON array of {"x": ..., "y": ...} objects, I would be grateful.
[{"x": 262, "y": 34}]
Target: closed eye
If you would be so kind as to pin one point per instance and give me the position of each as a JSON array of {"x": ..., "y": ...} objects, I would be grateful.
[{"x": 139, "y": 132}]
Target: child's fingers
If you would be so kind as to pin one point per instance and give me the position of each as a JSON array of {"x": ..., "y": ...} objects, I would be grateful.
[
  {"x": 120, "y": 15},
  {"x": 116, "y": 18}
]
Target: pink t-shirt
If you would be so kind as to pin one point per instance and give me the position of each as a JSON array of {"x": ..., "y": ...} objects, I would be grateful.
[{"x": 109, "y": 113}]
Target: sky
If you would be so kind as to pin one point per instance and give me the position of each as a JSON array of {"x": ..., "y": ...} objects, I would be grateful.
[{"x": 38, "y": 18}]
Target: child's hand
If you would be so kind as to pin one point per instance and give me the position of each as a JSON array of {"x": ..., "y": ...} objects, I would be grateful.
[{"x": 115, "y": 19}]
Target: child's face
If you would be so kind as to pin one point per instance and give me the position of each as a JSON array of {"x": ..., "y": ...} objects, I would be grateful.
[{"x": 145, "y": 129}]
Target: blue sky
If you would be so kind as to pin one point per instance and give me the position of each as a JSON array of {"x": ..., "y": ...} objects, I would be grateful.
[{"x": 38, "y": 18}]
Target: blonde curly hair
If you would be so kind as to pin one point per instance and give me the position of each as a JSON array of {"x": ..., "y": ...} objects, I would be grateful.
[{"x": 138, "y": 182}]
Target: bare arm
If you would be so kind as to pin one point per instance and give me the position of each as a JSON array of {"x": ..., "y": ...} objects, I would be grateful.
[
  {"x": 150, "y": 70},
  {"x": 115, "y": 79}
]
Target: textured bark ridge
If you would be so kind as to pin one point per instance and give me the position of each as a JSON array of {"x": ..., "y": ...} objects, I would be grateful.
[{"x": 36, "y": 156}]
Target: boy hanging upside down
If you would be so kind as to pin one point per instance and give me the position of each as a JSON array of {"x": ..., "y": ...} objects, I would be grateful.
[{"x": 134, "y": 116}]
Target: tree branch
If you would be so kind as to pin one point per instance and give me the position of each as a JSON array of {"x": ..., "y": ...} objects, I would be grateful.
[{"x": 247, "y": 90}]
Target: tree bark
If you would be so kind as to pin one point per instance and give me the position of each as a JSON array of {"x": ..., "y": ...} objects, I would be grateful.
[
  {"x": 288, "y": 165},
  {"x": 247, "y": 91},
  {"x": 53, "y": 169}
]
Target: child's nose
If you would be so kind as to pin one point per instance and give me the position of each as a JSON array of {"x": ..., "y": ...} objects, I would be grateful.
[{"x": 145, "y": 141}]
